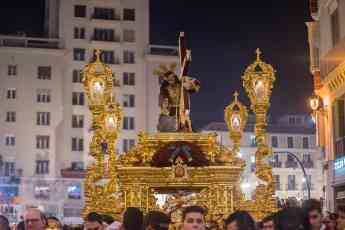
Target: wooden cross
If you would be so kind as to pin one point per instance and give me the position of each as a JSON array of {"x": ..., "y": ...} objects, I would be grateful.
[
  {"x": 258, "y": 54},
  {"x": 185, "y": 55}
]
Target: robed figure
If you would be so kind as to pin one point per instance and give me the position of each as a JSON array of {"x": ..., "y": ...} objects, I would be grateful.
[{"x": 174, "y": 96}]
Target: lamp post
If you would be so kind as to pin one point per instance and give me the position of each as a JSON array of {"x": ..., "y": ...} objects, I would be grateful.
[{"x": 302, "y": 167}]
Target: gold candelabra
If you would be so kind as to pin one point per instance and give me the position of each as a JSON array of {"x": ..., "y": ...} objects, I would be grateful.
[
  {"x": 236, "y": 116},
  {"x": 106, "y": 123},
  {"x": 258, "y": 82}
]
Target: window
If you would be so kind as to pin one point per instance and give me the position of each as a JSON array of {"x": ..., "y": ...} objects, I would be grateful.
[
  {"x": 291, "y": 182},
  {"x": 10, "y": 140},
  {"x": 43, "y": 95},
  {"x": 335, "y": 27},
  {"x": 42, "y": 167},
  {"x": 79, "y": 32},
  {"x": 129, "y": 14},
  {"x": 290, "y": 142},
  {"x": 128, "y": 57},
  {"x": 78, "y": 54},
  {"x": 42, "y": 191},
  {"x": 43, "y": 118},
  {"x": 305, "y": 181},
  {"x": 104, "y": 13},
  {"x": 11, "y": 70},
  {"x": 128, "y": 100},
  {"x": 128, "y": 123},
  {"x": 11, "y": 116},
  {"x": 128, "y": 78},
  {"x": 74, "y": 192},
  {"x": 42, "y": 142},
  {"x": 77, "y": 98},
  {"x": 305, "y": 142},
  {"x": 77, "y": 76},
  {"x": 77, "y": 165},
  {"x": 9, "y": 169},
  {"x": 339, "y": 127},
  {"x": 79, "y": 11},
  {"x": 128, "y": 144},
  {"x": 108, "y": 57},
  {"x": 129, "y": 36},
  {"x": 306, "y": 158},
  {"x": 104, "y": 35},
  {"x": 44, "y": 72},
  {"x": 77, "y": 121},
  {"x": 77, "y": 144},
  {"x": 277, "y": 182},
  {"x": 11, "y": 93},
  {"x": 292, "y": 120},
  {"x": 252, "y": 141},
  {"x": 274, "y": 140}
]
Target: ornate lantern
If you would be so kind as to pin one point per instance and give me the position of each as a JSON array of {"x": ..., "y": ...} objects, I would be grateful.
[
  {"x": 98, "y": 85},
  {"x": 258, "y": 81},
  {"x": 236, "y": 116},
  {"x": 112, "y": 120}
]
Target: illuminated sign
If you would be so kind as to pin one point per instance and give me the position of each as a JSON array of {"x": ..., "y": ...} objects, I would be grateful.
[{"x": 339, "y": 166}]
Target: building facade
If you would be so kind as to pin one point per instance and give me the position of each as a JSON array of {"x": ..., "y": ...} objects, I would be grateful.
[
  {"x": 326, "y": 34},
  {"x": 45, "y": 121},
  {"x": 289, "y": 134}
]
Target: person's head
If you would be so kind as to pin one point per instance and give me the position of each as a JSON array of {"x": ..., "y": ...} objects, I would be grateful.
[
  {"x": 93, "y": 221},
  {"x": 239, "y": 220},
  {"x": 155, "y": 220},
  {"x": 289, "y": 218},
  {"x": 268, "y": 223},
  {"x": 4, "y": 224},
  {"x": 34, "y": 219},
  {"x": 171, "y": 77},
  {"x": 20, "y": 226},
  {"x": 330, "y": 220},
  {"x": 54, "y": 222},
  {"x": 107, "y": 220},
  {"x": 341, "y": 217},
  {"x": 193, "y": 217},
  {"x": 132, "y": 219},
  {"x": 312, "y": 214}
]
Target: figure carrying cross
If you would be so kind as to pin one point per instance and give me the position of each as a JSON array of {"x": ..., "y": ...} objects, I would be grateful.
[{"x": 174, "y": 96}]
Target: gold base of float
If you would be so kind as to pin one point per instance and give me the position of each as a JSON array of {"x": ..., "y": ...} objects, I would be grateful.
[{"x": 191, "y": 167}]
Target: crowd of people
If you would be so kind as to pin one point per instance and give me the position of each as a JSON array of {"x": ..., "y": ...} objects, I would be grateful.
[{"x": 307, "y": 217}]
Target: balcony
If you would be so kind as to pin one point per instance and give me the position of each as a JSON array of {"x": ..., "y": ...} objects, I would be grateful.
[
  {"x": 304, "y": 187},
  {"x": 108, "y": 17},
  {"x": 30, "y": 42},
  {"x": 73, "y": 173},
  {"x": 291, "y": 187},
  {"x": 291, "y": 164},
  {"x": 333, "y": 58},
  {"x": 276, "y": 164},
  {"x": 308, "y": 164},
  {"x": 111, "y": 39},
  {"x": 162, "y": 50}
]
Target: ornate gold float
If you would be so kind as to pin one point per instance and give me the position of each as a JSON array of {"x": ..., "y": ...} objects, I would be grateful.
[{"x": 169, "y": 170}]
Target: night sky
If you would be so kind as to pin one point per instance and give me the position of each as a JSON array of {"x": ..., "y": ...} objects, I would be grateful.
[{"x": 223, "y": 38}]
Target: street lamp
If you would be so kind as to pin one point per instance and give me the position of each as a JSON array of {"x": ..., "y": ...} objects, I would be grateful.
[
  {"x": 236, "y": 116},
  {"x": 304, "y": 179}
]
